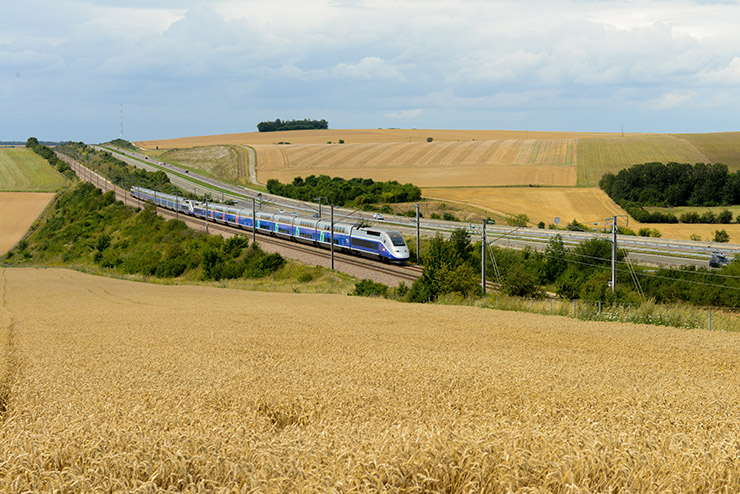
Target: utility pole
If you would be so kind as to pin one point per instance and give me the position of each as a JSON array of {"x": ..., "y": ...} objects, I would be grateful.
[
  {"x": 614, "y": 253},
  {"x": 332, "y": 237},
  {"x": 254, "y": 223},
  {"x": 319, "y": 199},
  {"x": 418, "y": 261},
  {"x": 483, "y": 261},
  {"x": 206, "y": 213}
]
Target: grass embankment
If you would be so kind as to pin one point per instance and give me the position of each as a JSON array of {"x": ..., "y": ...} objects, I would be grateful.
[
  {"x": 240, "y": 391},
  {"x": 25, "y": 171},
  {"x": 226, "y": 163}
]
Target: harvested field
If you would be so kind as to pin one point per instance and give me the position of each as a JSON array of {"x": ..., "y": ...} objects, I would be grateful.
[
  {"x": 585, "y": 204},
  {"x": 539, "y": 203},
  {"x": 361, "y": 136},
  {"x": 550, "y": 162},
  {"x": 232, "y": 391},
  {"x": 18, "y": 210},
  {"x": 25, "y": 171}
]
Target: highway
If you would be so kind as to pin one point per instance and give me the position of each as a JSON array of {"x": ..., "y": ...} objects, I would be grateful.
[{"x": 641, "y": 250}]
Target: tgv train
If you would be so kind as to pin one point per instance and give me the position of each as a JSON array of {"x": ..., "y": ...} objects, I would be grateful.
[{"x": 387, "y": 245}]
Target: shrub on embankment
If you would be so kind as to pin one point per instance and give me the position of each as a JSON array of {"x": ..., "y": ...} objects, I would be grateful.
[{"x": 87, "y": 227}]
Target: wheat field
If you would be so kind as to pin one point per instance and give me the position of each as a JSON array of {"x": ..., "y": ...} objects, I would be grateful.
[{"x": 109, "y": 385}]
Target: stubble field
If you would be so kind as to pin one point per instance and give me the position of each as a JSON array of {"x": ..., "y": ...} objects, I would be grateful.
[
  {"x": 110, "y": 385},
  {"x": 19, "y": 211}
]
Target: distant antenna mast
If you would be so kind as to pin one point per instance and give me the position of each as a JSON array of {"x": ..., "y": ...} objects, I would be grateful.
[{"x": 121, "y": 136}]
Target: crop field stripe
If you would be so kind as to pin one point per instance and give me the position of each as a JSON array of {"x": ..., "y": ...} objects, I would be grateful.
[{"x": 23, "y": 170}]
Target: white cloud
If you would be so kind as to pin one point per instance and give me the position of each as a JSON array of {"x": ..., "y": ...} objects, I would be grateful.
[
  {"x": 673, "y": 99},
  {"x": 363, "y": 60},
  {"x": 404, "y": 114},
  {"x": 367, "y": 69}
]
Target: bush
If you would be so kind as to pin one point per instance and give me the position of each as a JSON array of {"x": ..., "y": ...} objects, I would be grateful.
[
  {"x": 721, "y": 236},
  {"x": 724, "y": 217},
  {"x": 520, "y": 220},
  {"x": 520, "y": 282},
  {"x": 369, "y": 288}
]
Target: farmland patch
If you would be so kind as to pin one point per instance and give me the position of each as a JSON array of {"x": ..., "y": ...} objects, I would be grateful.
[
  {"x": 600, "y": 155},
  {"x": 538, "y": 203},
  {"x": 18, "y": 210},
  {"x": 24, "y": 170}
]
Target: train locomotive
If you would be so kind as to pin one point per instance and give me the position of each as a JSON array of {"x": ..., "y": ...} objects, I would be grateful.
[{"x": 386, "y": 245}]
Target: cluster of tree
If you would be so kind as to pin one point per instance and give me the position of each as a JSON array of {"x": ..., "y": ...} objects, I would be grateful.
[
  {"x": 123, "y": 144},
  {"x": 674, "y": 184},
  {"x": 643, "y": 216},
  {"x": 304, "y": 124},
  {"x": 89, "y": 227},
  {"x": 583, "y": 272},
  {"x": 341, "y": 192},
  {"x": 120, "y": 173},
  {"x": 48, "y": 154},
  {"x": 449, "y": 267}
]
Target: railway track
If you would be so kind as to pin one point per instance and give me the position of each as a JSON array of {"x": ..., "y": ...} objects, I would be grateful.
[
  {"x": 402, "y": 272},
  {"x": 321, "y": 256}
]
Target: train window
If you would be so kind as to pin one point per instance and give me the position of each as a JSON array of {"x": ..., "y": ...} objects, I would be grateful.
[
  {"x": 397, "y": 239},
  {"x": 361, "y": 242}
]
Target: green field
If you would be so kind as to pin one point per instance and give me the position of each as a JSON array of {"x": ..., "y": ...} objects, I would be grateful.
[
  {"x": 600, "y": 155},
  {"x": 721, "y": 147},
  {"x": 22, "y": 170}
]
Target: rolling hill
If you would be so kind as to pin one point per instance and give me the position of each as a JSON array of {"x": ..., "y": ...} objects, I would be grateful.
[{"x": 472, "y": 166}]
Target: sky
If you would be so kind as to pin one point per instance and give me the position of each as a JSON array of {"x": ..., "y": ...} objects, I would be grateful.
[{"x": 183, "y": 68}]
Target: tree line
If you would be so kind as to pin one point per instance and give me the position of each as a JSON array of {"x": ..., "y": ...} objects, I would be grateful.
[
  {"x": 305, "y": 124},
  {"x": 50, "y": 156},
  {"x": 671, "y": 185},
  {"x": 341, "y": 192},
  {"x": 119, "y": 172}
]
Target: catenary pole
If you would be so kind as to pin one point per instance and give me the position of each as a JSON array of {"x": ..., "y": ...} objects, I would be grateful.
[
  {"x": 614, "y": 253},
  {"x": 332, "y": 237},
  {"x": 254, "y": 223},
  {"x": 418, "y": 255},
  {"x": 483, "y": 260}
]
